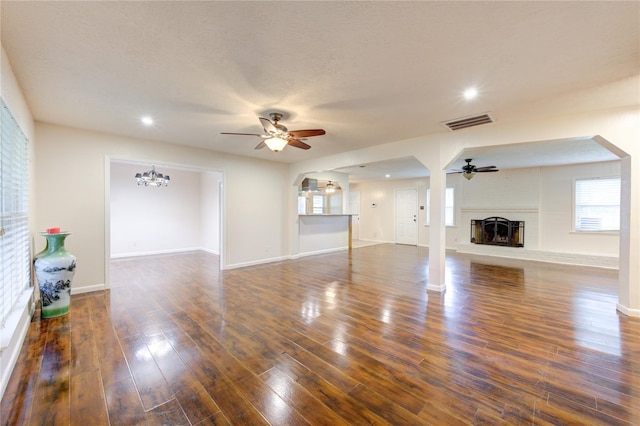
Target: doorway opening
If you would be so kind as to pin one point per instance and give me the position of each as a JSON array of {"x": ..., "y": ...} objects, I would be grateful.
[{"x": 184, "y": 216}]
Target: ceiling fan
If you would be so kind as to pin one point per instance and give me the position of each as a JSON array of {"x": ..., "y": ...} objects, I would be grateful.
[
  {"x": 278, "y": 136},
  {"x": 330, "y": 187},
  {"x": 469, "y": 170}
]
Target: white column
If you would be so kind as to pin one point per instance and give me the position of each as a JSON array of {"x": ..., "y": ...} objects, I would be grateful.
[
  {"x": 437, "y": 230},
  {"x": 629, "y": 269}
]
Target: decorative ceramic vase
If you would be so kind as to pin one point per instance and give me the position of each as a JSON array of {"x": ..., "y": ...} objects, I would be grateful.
[{"x": 55, "y": 270}]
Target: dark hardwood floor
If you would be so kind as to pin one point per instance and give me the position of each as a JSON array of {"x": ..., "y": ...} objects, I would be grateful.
[{"x": 347, "y": 338}]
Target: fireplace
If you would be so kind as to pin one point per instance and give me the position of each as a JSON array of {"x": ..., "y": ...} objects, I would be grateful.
[{"x": 498, "y": 231}]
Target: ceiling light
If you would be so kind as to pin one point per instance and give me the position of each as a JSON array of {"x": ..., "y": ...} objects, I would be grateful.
[
  {"x": 147, "y": 121},
  {"x": 387, "y": 175},
  {"x": 468, "y": 175},
  {"x": 470, "y": 93},
  {"x": 330, "y": 188},
  {"x": 152, "y": 178},
  {"x": 275, "y": 144}
]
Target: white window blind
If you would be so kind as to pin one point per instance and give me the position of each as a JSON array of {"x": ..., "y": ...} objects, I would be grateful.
[
  {"x": 448, "y": 207},
  {"x": 597, "y": 206},
  {"x": 318, "y": 204},
  {"x": 14, "y": 210}
]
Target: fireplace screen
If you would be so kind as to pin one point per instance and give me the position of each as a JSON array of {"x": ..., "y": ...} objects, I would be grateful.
[{"x": 498, "y": 231}]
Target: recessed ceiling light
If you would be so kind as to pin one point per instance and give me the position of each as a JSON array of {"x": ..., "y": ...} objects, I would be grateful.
[
  {"x": 470, "y": 93},
  {"x": 387, "y": 175},
  {"x": 147, "y": 121}
]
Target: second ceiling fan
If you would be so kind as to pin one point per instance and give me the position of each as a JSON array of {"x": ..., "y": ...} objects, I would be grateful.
[
  {"x": 277, "y": 136},
  {"x": 469, "y": 170}
]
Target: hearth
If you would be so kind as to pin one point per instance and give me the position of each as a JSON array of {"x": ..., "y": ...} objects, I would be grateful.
[{"x": 498, "y": 231}]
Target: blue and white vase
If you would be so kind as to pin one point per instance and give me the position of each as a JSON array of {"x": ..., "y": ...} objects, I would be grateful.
[{"x": 54, "y": 270}]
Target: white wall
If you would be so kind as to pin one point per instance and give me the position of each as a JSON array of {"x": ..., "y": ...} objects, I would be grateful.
[
  {"x": 513, "y": 194},
  {"x": 556, "y": 211},
  {"x": 541, "y": 197},
  {"x": 210, "y": 211},
  {"x": 151, "y": 220},
  {"x": 323, "y": 233},
  {"x": 72, "y": 192},
  {"x": 378, "y": 223}
]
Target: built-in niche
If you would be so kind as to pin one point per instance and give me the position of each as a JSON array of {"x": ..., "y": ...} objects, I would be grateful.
[{"x": 497, "y": 231}]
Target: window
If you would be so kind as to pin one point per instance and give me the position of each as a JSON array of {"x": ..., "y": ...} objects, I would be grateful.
[
  {"x": 448, "y": 207},
  {"x": 302, "y": 205},
  {"x": 318, "y": 204},
  {"x": 597, "y": 204},
  {"x": 15, "y": 258}
]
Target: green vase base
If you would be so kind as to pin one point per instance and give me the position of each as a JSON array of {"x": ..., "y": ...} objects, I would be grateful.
[{"x": 54, "y": 312}]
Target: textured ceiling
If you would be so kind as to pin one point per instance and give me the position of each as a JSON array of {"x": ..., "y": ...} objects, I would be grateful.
[{"x": 367, "y": 72}]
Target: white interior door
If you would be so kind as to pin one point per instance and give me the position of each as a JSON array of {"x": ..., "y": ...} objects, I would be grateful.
[
  {"x": 354, "y": 209},
  {"x": 407, "y": 216}
]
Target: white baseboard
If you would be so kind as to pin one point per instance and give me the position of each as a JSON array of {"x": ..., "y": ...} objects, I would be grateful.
[
  {"x": 256, "y": 262},
  {"x": 439, "y": 288},
  {"x": 87, "y": 288},
  {"x": 325, "y": 251},
  {"x": 576, "y": 259},
  {"x": 154, "y": 252},
  {"x": 628, "y": 311},
  {"x": 281, "y": 258},
  {"x": 211, "y": 251}
]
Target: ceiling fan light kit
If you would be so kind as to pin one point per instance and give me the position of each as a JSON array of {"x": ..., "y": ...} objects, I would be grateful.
[
  {"x": 330, "y": 188},
  {"x": 275, "y": 144},
  {"x": 277, "y": 136}
]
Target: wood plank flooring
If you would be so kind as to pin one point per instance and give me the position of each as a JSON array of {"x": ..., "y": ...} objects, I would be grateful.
[{"x": 347, "y": 338}]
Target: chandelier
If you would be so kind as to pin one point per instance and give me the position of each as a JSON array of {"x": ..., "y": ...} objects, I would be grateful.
[
  {"x": 152, "y": 178},
  {"x": 330, "y": 188}
]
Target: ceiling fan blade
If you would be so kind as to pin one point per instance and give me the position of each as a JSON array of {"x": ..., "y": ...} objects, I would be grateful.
[
  {"x": 298, "y": 143},
  {"x": 485, "y": 168},
  {"x": 489, "y": 170},
  {"x": 306, "y": 133},
  {"x": 241, "y": 134},
  {"x": 260, "y": 145},
  {"x": 268, "y": 126}
]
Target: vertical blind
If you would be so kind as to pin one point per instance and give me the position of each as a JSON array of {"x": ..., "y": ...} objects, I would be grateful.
[
  {"x": 597, "y": 205},
  {"x": 15, "y": 259}
]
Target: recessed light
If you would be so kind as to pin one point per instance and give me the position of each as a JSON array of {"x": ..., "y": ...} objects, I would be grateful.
[
  {"x": 470, "y": 93},
  {"x": 387, "y": 175},
  {"x": 147, "y": 121}
]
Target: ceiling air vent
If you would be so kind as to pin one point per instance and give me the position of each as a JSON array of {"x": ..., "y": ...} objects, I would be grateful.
[{"x": 463, "y": 123}]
